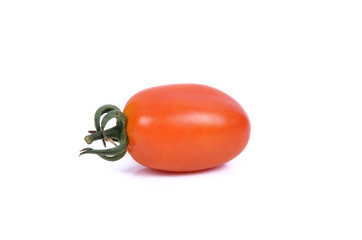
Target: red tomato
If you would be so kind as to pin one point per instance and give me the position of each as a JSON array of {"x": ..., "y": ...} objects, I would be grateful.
[{"x": 185, "y": 127}]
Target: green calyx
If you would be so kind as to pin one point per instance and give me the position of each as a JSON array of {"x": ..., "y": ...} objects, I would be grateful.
[{"x": 116, "y": 135}]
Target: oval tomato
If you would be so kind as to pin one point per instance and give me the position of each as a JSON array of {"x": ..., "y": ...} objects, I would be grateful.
[{"x": 183, "y": 127}]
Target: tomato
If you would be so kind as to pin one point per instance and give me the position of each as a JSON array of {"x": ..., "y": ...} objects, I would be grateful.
[{"x": 183, "y": 127}]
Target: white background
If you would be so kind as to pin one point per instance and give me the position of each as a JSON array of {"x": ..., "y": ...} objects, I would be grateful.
[{"x": 295, "y": 66}]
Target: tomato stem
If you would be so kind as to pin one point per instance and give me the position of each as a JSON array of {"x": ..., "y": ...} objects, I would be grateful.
[
  {"x": 112, "y": 133},
  {"x": 115, "y": 134}
]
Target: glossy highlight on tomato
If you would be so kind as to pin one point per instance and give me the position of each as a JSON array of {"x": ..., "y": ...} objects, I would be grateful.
[{"x": 179, "y": 128}]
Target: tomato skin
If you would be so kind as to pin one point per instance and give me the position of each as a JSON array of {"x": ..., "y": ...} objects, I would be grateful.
[{"x": 185, "y": 127}]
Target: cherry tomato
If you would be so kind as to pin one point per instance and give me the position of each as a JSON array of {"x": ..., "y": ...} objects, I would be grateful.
[{"x": 183, "y": 127}]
